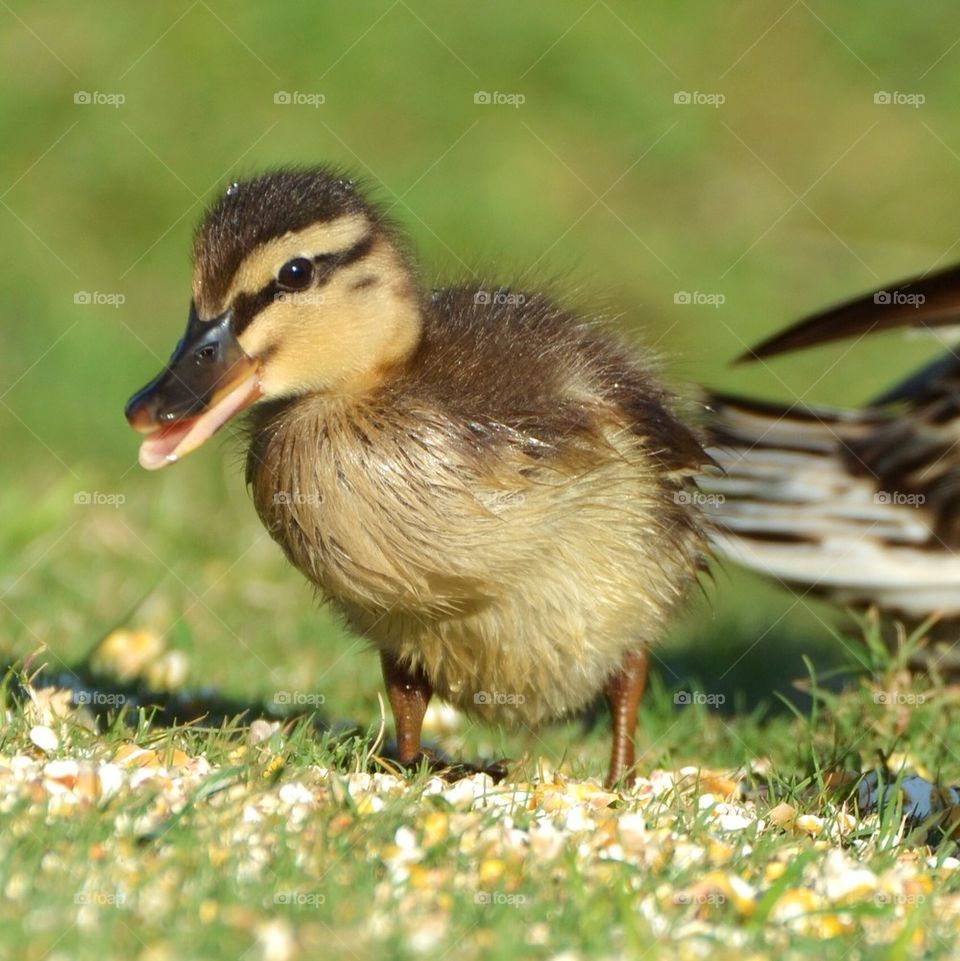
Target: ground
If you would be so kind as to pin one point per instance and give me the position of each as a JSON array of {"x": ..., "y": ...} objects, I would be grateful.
[{"x": 268, "y": 839}]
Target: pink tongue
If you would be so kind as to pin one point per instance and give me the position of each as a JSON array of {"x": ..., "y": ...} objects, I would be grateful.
[
  {"x": 157, "y": 450},
  {"x": 168, "y": 444}
]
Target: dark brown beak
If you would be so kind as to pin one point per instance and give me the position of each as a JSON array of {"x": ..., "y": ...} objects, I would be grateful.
[{"x": 208, "y": 379}]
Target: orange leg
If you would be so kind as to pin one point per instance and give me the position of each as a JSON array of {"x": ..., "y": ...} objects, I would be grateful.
[
  {"x": 624, "y": 692},
  {"x": 409, "y": 693}
]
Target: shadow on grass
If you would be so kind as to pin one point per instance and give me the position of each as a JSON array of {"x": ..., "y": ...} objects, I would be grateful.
[
  {"x": 739, "y": 677},
  {"x": 743, "y": 678},
  {"x": 104, "y": 697}
]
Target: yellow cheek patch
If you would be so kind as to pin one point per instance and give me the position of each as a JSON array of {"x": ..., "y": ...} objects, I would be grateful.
[
  {"x": 260, "y": 266},
  {"x": 336, "y": 337}
]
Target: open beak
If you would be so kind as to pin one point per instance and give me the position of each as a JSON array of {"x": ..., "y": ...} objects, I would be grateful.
[{"x": 207, "y": 381}]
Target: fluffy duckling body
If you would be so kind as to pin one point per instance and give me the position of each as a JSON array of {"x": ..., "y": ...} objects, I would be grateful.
[{"x": 490, "y": 488}]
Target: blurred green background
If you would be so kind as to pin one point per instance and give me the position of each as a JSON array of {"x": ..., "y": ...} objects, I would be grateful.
[{"x": 782, "y": 187}]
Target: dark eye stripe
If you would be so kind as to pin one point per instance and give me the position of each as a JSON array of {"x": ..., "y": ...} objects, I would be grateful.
[
  {"x": 247, "y": 306},
  {"x": 326, "y": 264}
]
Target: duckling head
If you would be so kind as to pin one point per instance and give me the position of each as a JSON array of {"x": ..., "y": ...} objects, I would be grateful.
[{"x": 300, "y": 286}]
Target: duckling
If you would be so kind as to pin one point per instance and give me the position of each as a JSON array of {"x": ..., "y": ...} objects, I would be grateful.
[
  {"x": 492, "y": 489},
  {"x": 858, "y": 505}
]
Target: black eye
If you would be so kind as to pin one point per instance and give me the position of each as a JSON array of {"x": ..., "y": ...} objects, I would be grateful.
[
  {"x": 206, "y": 353},
  {"x": 296, "y": 274}
]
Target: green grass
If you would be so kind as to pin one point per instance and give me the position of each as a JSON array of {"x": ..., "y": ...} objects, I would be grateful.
[{"x": 99, "y": 199}]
